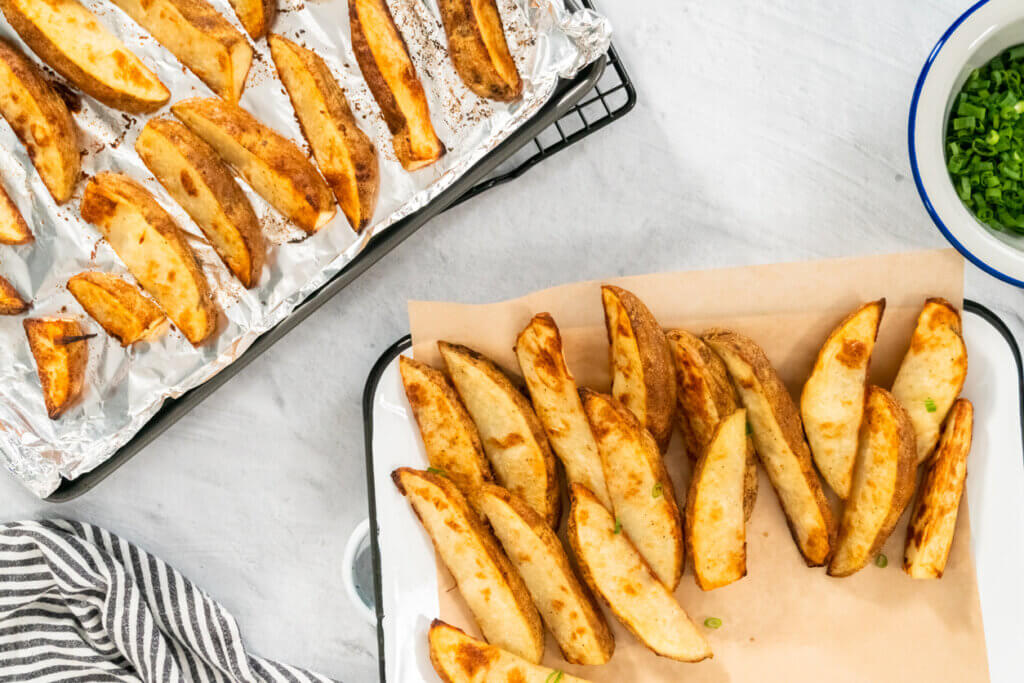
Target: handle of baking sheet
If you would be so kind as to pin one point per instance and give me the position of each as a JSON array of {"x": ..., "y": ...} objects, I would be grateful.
[{"x": 348, "y": 572}]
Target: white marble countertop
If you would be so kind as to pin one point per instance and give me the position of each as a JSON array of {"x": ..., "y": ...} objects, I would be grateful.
[{"x": 765, "y": 131}]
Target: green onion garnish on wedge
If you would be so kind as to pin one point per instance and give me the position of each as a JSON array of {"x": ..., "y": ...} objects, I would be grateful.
[
  {"x": 930, "y": 406},
  {"x": 656, "y": 491},
  {"x": 713, "y": 622},
  {"x": 881, "y": 561},
  {"x": 438, "y": 472}
]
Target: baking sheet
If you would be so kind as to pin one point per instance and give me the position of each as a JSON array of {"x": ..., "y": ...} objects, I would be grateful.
[
  {"x": 783, "y": 621},
  {"x": 126, "y": 387}
]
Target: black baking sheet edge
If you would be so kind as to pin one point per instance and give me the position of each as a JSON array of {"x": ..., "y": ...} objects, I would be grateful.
[{"x": 405, "y": 342}]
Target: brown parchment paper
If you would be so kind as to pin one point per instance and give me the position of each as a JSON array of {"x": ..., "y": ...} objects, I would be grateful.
[{"x": 783, "y": 621}]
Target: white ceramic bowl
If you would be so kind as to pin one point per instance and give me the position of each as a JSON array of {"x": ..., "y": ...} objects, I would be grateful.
[{"x": 982, "y": 32}]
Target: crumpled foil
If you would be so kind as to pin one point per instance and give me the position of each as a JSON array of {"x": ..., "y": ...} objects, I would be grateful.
[{"x": 125, "y": 387}]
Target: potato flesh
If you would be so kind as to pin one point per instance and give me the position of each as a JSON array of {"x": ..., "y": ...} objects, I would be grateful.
[
  {"x": 60, "y": 363},
  {"x": 489, "y": 24},
  {"x": 13, "y": 228},
  {"x": 117, "y": 306},
  {"x": 254, "y": 15},
  {"x": 628, "y": 385},
  {"x": 11, "y": 302}
]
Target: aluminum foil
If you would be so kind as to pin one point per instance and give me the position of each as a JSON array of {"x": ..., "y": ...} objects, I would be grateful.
[{"x": 125, "y": 387}]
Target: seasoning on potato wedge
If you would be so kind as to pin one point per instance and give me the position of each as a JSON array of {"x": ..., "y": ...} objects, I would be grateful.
[
  {"x": 255, "y": 16},
  {"x": 883, "y": 482},
  {"x": 512, "y": 436},
  {"x": 154, "y": 249},
  {"x": 13, "y": 228},
  {"x": 41, "y": 120},
  {"x": 615, "y": 570},
  {"x": 933, "y": 520},
  {"x": 479, "y": 51},
  {"x": 72, "y": 41},
  {"x": 778, "y": 437},
  {"x": 272, "y": 164},
  {"x": 832, "y": 402},
  {"x": 383, "y": 57},
  {"x": 557, "y": 402},
  {"x": 11, "y": 302},
  {"x": 493, "y": 591},
  {"x": 457, "y": 658},
  {"x": 933, "y": 372},
  {"x": 119, "y": 308},
  {"x": 344, "y": 153},
  {"x": 643, "y": 377},
  {"x": 59, "y": 347},
  {"x": 196, "y": 178},
  {"x": 643, "y": 498}
]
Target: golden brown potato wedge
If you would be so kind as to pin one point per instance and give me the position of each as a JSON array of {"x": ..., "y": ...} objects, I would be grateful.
[
  {"x": 60, "y": 350},
  {"x": 449, "y": 435},
  {"x": 72, "y": 41},
  {"x": 120, "y": 308},
  {"x": 154, "y": 249},
  {"x": 933, "y": 372},
  {"x": 457, "y": 658},
  {"x": 706, "y": 397},
  {"x": 615, "y": 570},
  {"x": 479, "y": 51},
  {"x": 883, "y": 482},
  {"x": 715, "y": 530},
  {"x": 493, "y": 591},
  {"x": 643, "y": 378},
  {"x": 832, "y": 402},
  {"x": 344, "y": 153},
  {"x": 933, "y": 521},
  {"x": 13, "y": 228},
  {"x": 557, "y": 402},
  {"x": 565, "y": 605},
  {"x": 643, "y": 498},
  {"x": 203, "y": 41},
  {"x": 11, "y": 303},
  {"x": 383, "y": 58},
  {"x": 256, "y": 16},
  {"x": 41, "y": 120},
  {"x": 272, "y": 164},
  {"x": 197, "y": 179},
  {"x": 513, "y": 437},
  {"x": 779, "y": 440}
]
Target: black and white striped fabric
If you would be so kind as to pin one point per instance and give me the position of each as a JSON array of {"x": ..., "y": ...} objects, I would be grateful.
[{"x": 77, "y": 603}]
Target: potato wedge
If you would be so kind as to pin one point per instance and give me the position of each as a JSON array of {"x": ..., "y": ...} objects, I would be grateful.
[
  {"x": 154, "y": 249},
  {"x": 933, "y": 521},
  {"x": 200, "y": 183},
  {"x": 779, "y": 440},
  {"x": 832, "y": 402},
  {"x": 615, "y": 570},
  {"x": 643, "y": 378},
  {"x": 565, "y": 605},
  {"x": 41, "y": 120},
  {"x": 383, "y": 58},
  {"x": 479, "y": 51},
  {"x": 203, "y": 41},
  {"x": 72, "y": 41},
  {"x": 557, "y": 402},
  {"x": 512, "y": 436},
  {"x": 449, "y": 435},
  {"x": 11, "y": 303},
  {"x": 493, "y": 591},
  {"x": 272, "y": 164},
  {"x": 457, "y": 658},
  {"x": 706, "y": 397},
  {"x": 643, "y": 498},
  {"x": 883, "y": 482},
  {"x": 119, "y": 308},
  {"x": 343, "y": 152},
  {"x": 933, "y": 372},
  {"x": 13, "y": 228},
  {"x": 715, "y": 531},
  {"x": 256, "y": 16},
  {"x": 60, "y": 350}
]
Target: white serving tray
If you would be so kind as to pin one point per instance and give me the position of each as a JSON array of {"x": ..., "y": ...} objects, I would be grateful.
[{"x": 406, "y": 587}]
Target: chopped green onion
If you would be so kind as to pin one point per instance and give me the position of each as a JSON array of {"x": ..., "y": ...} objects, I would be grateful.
[
  {"x": 713, "y": 622},
  {"x": 618, "y": 526},
  {"x": 881, "y": 561},
  {"x": 554, "y": 677},
  {"x": 439, "y": 472},
  {"x": 656, "y": 491},
  {"x": 930, "y": 406}
]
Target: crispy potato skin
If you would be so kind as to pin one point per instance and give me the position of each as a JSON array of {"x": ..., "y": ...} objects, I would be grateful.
[
  {"x": 383, "y": 58},
  {"x": 13, "y": 228},
  {"x": 643, "y": 376},
  {"x": 479, "y": 51},
  {"x": 119, "y": 308},
  {"x": 61, "y": 353},
  {"x": 92, "y": 58},
  {"x": 832, "y": 402},
  {"x": 345, "y": 153},
  {"x": 196, "y": 178},
  {"x": 41, "y": 120},
  {"x": 779, "y": 439},
  {"x": 11, "y": 303},
  {"x": 493, "y": 590},
  {"x": 256, "y": 16},
  {"x": 933, "y": 521}
]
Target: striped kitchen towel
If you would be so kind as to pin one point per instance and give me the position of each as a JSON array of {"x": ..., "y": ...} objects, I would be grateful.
[{"x": 77, "y": 603}]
